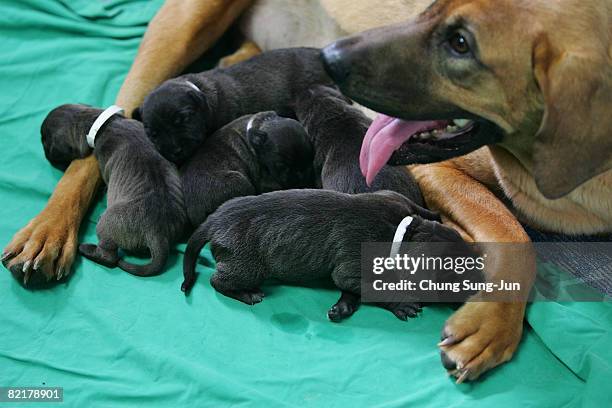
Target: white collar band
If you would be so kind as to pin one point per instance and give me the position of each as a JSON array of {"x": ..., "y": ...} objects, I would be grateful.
[
  {"x": 193, "y": 86},
  {"x": 400, "y": 232},
  {"x": 100, "y": 121},
  {"x": 250, "y": 124}
]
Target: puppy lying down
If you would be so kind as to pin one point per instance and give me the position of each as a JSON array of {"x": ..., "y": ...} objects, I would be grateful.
[
  {"x": 337, "y": 129},
  {"x": 145, "y": 208},
  {"x": 183, "y": 111},
  {"x": 301, "y": 236},
  {"x": 252, "y": 155}
]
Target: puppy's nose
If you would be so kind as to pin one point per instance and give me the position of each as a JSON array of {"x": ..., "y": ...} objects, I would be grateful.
[{"x": 336, "y": 59}]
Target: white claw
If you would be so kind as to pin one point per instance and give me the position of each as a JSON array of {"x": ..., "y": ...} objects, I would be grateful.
[
  {"x": 462, "y": 377},
  {"x": 461, "y": 122}
]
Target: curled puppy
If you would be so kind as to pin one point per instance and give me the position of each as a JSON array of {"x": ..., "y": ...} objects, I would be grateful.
[
  {"x": 337, "y": 129},
  {"x": 301, "y": 236},
  {"x": 252, "y": 155},
  {"x": 183, "y": 111},
  {"x": 145, "y": 208}
]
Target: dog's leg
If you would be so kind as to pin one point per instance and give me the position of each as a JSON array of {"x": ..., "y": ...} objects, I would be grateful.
[
  {"x": 247, "y": 50},
  {"x": 46, "y": 247},
  {"x": 238, "y": 285},
  {"x": 345, "y": 307},
  {"x": 480, "y": 335},
  {"x": 180, "y": 32},
  {"x": 347, "y": 278}
]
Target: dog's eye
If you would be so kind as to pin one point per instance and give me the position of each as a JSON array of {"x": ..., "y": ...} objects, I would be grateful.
[{"x": 459, "y": 43}]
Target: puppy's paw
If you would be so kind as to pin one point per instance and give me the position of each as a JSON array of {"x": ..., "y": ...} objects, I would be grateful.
[
  {"x": 250, "y": 297},
  {"x": 42, "y": 252},
  {"x": 342, "y": 310},
  {"x": 480, "y": 336},
  {"x": 404, "y": 310}
]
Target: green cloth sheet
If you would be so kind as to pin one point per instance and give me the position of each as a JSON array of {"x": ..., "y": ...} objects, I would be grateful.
[{"x": 113, "y": 340}]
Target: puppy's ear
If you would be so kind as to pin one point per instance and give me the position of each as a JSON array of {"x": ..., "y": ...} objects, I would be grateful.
[
  {"x": 425, "y": 213},
  {"x": 257, "y": 139},
  {"x": 574, "y": 142},
  {"x": 137, "y": 114}
]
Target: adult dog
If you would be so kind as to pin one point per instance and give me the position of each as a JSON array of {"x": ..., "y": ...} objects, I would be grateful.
[{"x": 538, "y": 77}]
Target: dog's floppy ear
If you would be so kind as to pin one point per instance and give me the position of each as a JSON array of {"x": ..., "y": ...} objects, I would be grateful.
[
  {"x": 574, "y": 142},
  {"x": 137, "y": 114}
]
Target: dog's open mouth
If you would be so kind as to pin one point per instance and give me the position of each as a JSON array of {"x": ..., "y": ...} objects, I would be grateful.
[{"x": 399, "y": 142}]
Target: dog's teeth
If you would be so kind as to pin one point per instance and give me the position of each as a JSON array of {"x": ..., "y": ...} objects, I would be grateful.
[
  {"x": 452, "y": 129},
  {"x": 461, "y": 122}
]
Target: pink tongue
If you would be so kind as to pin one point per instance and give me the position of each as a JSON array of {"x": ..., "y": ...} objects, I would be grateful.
[{"x": 386, "y": 135}]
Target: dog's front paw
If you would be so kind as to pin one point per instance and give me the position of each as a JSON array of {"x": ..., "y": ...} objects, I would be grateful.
[
  {"x": 42, "y": 252},
  {"x": 480, "y": 336}
]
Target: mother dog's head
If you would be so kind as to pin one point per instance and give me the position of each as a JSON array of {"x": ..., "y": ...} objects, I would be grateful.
[{"x": 534, "y": 76}]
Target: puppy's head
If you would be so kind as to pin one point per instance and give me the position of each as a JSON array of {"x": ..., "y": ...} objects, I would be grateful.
[
  {"x": 426, "y": 226},
  {"x": 283, "y": 151},
  {"x": 532, "y": 76},
  {"x": 424, "y": 230},
  {"x": 175, "y": 118},
  {"x": 319, "y": 104},
  {"x": 64, "y": 131}
]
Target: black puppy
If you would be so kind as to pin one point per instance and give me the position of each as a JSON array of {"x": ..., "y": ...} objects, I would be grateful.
[
  {"x": 145, "y": 199},
  {"x": 337, "y": 129},
  {"x": 252, "y": 155},
  {"x": 299, "y": 236},
  {"x": 182, "y": 112}
]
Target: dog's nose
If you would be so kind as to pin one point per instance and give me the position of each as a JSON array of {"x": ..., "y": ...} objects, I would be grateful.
[{"x": 336, "y": 61}]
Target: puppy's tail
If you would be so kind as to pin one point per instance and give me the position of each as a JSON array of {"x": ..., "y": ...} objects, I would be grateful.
[
  {"x": 159, "y": 248},
  {"x": 194, "y": 246}
]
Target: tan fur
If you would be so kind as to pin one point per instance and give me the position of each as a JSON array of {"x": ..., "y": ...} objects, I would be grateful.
[
  {"x": 586, "y": 210},
  {"x": 247, "y": 50},
  {"x": 353, "y": 16},
  {"x": 48, "y": 244}
]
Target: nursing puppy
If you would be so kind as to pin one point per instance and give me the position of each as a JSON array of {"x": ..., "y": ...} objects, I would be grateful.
[
  {"x": 337, "y": 130},
  {"x": 250, "y": 238},
  {"x": 145, "y": 199},
  {"x": 182, "y": 112},
  {"x": 252, "y": 155}
]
